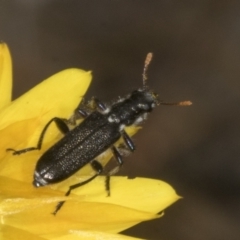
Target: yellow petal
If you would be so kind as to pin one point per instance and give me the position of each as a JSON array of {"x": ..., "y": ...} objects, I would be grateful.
[
  {"x": 90, "y": 235},
  {"x": 18, "y": 167},
  {"x": 17, "y": 196},
  {"x": 79, "y": 216},
  {"x": 92, "y": 210},
  {"x": 12, "y": 233},
  {"x": 5, "y": 76},
  {"x": 142, "y": 194},
  {"x": 57, "y": 96}
]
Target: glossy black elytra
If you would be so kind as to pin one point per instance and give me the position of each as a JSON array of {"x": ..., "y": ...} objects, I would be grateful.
[{"x": 102, "y": 126}]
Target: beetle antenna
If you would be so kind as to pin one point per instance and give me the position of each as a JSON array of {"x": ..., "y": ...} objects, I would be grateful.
[
  {"x": 145, "y": 68},
  {"x": 182, "y": 104}
]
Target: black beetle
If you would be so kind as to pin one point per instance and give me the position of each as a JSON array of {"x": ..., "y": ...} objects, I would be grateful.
[{"x": 102, "y": 126}]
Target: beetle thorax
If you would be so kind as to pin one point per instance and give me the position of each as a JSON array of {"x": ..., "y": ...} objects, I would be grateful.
[{"x": 128, "y": 111}]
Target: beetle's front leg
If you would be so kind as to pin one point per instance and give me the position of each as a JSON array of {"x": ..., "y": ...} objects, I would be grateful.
[
  {"x": 99, "y": 105},
  {"x": 81, "y": 112},
  {"x": 62, "y": 126},
  {"x": 84, "y": 109}
]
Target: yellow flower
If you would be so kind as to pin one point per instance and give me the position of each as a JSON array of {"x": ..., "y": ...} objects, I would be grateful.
[{"x": 87, "y": 213}]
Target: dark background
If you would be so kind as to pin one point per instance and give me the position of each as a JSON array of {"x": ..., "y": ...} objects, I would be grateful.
[{"x": 196, "y": 47}]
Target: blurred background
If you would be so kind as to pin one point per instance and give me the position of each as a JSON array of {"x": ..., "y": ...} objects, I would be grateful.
[{"x": 196, "y": 46}]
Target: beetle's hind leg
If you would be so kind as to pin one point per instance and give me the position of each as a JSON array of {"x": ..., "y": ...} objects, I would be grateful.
[
  {"x": 118, "y": 155},
  {"x": 97, "y": 167},
  {"x": 119, "y": 160},
  {"x": 62, "y": 126}
]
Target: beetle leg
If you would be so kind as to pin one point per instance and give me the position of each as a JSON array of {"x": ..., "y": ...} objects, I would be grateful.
[
  {"x": 118, "y": 157},
  {"x": 99, "y": 105},
  {"x": 78, "y": 114},
  {"x": 62, "y": 126},
  {"x": 82, "y": 111},
  {"x": 124, "y": 150},
  {"x": 95, "y": 104},
  {"x": 128, "y": 141},
  {"x": 97, "y": 167},
  {"x": 85, "y": 109}
]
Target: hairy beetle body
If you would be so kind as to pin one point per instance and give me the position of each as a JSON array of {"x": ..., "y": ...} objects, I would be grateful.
[{"x": 98, "y": 132}]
